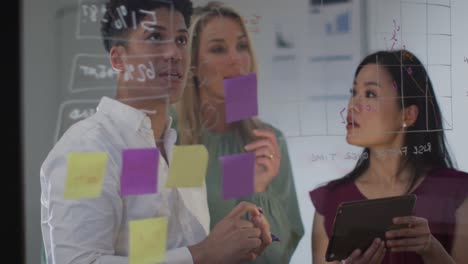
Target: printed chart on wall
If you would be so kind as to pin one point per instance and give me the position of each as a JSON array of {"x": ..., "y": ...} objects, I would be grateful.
[{"x": 316, "y": 45}]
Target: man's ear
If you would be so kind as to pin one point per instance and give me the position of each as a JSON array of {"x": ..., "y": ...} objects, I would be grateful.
[
  {"x": 117, "y": 54},
  {"x": 411, "y": 115}
]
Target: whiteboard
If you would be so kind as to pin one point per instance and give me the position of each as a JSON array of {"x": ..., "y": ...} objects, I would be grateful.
[{"x": 307, "y": 53}]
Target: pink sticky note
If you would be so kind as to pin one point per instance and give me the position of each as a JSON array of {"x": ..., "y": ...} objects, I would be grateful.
[
  {"x": 238, "y": 175},
  {"x": 240, "y": 97},
  {"x": 139, "y": 171}
]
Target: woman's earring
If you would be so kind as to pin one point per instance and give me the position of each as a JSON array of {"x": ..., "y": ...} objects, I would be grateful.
[{"x": 404, "y": 125}]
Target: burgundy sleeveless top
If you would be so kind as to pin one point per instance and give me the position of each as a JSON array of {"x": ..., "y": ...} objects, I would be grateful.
[{"x": 439, "y": 195}]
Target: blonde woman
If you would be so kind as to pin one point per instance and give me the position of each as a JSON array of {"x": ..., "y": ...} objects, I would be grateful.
[{"x": 221, "y": 48}]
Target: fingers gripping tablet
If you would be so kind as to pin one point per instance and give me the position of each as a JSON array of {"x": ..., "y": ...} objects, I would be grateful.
[{"x": 358, "y": 223}]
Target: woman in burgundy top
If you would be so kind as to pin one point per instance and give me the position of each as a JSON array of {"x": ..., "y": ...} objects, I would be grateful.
[{"x": 394, "y": 115}]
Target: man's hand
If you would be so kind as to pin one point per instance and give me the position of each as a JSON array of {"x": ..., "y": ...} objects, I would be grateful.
[
  {"x": 260, "y": 222},
  {"x": 233, "y": 239}
]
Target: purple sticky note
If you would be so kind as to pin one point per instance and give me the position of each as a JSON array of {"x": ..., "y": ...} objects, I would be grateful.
[
  {"x": 139, "y": 171},
  {"x": 240, "y": 97},
  {"x": 238, "y": 175}
]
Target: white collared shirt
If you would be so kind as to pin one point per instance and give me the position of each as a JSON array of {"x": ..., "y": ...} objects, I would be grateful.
[{"x": 96, "y": 230}]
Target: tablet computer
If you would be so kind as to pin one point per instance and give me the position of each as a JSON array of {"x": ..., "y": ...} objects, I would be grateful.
[{"x": 358, "y": 223}]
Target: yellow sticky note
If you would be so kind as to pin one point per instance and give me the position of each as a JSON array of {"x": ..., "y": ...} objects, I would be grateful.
[
  {"x": 188, "y": 166},
  {"x": 148, "y": 240},
  {"x": 85, "y": 174}
]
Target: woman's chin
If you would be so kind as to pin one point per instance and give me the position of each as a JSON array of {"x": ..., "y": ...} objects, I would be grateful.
[{"x": 355, "y": 140}]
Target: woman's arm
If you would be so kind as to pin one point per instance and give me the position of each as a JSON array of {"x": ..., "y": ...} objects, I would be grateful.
[
  {"x": 319, "y": 240},
  {"x": 459, "y": 250},
  {"x": 280, "y": 205},
  {"x": 437, "y": 254},
  {"x": 418, "y": 238},
  {"x": 285, "y": 189}
]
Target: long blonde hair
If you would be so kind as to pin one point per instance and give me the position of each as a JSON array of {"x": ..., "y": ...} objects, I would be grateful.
[{"x": 189, "y": 107}]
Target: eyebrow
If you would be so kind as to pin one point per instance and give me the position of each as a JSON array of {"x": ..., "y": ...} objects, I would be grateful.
[
  {"x": 161, "y": 28},
  {"x": 369, "y": 83},
  {"x": 222, "y": 40}
]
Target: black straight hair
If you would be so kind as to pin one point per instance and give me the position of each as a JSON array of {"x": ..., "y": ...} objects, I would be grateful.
[
  {"x": 112, "y": 34},
  {"x": 414, "y": 87}
]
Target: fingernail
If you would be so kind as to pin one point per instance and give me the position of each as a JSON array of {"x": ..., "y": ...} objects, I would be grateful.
[{"x": 260, "y": 210}]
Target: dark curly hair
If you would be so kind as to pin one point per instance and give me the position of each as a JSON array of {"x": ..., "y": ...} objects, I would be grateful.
[{"x": 112, "y": 35}]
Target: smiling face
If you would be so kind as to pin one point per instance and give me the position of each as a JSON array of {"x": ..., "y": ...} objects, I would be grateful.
[
  {"x": 374, "y": 113},
  {"x": 223, "y": 52},
  {"x": 154, "y": 59}
]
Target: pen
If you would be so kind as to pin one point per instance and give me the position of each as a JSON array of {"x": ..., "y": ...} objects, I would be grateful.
[{"x": 274, "y": 238}]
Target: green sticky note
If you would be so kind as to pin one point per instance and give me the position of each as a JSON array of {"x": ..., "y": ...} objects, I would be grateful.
[
  {"x": 85, "y": 174},
  {"x": 148, "y": 240},
  {"x": 188, "y": 166}
]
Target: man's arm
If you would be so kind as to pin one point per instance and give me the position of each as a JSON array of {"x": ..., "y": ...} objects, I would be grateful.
[
  {"x": 86, "y": 230},
  {"x": 82, "y": 230}
]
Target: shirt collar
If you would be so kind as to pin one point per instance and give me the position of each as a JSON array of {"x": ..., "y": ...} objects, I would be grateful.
[
  {"x": 122, "y": 113},
  {"x": 132, "y": 117}
]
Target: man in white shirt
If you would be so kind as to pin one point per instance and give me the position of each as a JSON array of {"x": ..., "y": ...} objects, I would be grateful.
[{"x": 96, "y": 230}]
